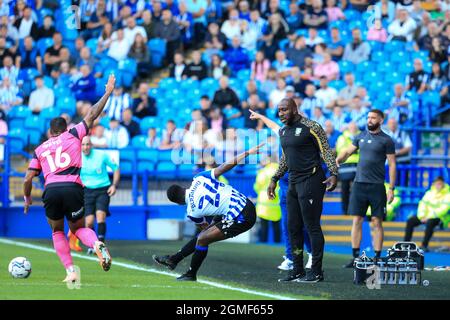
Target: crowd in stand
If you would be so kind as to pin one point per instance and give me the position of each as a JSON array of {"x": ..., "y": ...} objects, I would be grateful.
[{"x": 290, "y": 49}]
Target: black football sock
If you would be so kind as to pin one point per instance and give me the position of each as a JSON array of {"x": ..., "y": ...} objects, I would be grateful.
[
  {"x": 187, "y": 250},
  {"x": 101, "y": 231},
  {"x": 356, "y": 252},
  {"x": 200, "y": 254},
  {"x": 377, "y": 254}
]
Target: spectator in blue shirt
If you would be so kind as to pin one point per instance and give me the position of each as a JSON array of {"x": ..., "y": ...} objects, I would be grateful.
[
  {"x": 84, "y": 88},
  {"x": 236, "y": 56},
  {"x": 198, "y": 10},
  {"x": 173, "y": 6},
  {"x": 244, "y": 10},
  {"x": 336, "y": 45},
  {"x": 295, "y": 18},
  {"x": 185, "y": 23},
  {"x": 332, "y": 134}
]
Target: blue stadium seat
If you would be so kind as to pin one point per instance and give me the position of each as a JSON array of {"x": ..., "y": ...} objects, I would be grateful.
[
  {"x": 20, "y": 138},
  {"x": 155, "y": 92},
  {"x": 147, "y": 123},
  {"x": 431, "y": 98},
  {"x": 166, "y": 169},
  {"x": 400, "y": 57},
  {"x": 346, "y": 66},
  {"x": 165, "y": 155},
  {"x": 157, "y": 48},
  {"x": 28, "y": 74},
  {"x": 34, "y": 122},
  {"x": 365, "y": 66},
  {"x": 375, "y": 45},
  {"x": 127, "y": 160},
  {"x": 394, "y": 46},
  {"x": 139, "y": 141},
  {"x": 19, "y": 112},
  {"x": 61, "y": 92},
  {"x": 168, "y": 84},
  {"x": 92, "y": 45},
  {"x": 67, "y": 105},
  {"x": 379, "y": 56},
  {"x": 174, "y": 94},
  {"x": 194, "y": 95},
  {"x": 43, "y": 44},
  {"x": 128, "y": 66},
  {"x": 385, "y": 67},
  {"x": 209, "y": 84},
  {"x": 189, "y": 84},
  {"x": 337, "y": 84},
  {"x": 147, "y": 159},
  {"x": 352, "y": 15},
  {"x": 406, "y": 67}
]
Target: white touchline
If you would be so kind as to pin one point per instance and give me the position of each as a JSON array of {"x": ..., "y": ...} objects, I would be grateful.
[{"x": 151, "y": 270}]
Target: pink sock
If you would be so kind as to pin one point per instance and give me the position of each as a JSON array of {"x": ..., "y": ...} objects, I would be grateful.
[
  {"x": 62, "y": 248},
  {"x": 87, "y": 236}
]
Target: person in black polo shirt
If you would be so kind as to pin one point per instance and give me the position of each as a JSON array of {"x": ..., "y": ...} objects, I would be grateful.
[
  {"x": 417, "y": 80},
  {"x": 304, "y": 142},
  {"x": 368, "y": 188}
]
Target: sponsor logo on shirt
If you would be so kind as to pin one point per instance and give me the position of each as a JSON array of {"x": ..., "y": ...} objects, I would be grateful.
[{"x": 298, "y": 131}]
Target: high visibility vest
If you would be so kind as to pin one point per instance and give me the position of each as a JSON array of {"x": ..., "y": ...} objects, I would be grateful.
[
  {"x": 265, "y": 208},
  {"x": 344, "y": 141},
  {"x": 435, "y": 204}
]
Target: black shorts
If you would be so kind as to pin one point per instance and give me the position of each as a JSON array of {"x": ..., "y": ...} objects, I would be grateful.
[
  {"x": 64, "y": 200},
  {"x": 364, "y": 195},
  {"x": 244, "y": 222},
  {"x": 96, "y": 199}
]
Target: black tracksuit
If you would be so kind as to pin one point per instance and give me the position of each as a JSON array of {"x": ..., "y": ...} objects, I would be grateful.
[{"x": 303, "y": 144}]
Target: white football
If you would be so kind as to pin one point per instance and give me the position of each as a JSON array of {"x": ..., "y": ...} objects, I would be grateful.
[{"x": 20, "y": 267}]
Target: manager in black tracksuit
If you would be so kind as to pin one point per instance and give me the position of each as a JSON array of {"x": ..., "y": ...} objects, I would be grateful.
[{"x": 304, "y": 142}]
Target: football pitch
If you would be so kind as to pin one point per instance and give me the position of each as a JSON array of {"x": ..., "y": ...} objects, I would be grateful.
[{"x": 230, "y": 272}]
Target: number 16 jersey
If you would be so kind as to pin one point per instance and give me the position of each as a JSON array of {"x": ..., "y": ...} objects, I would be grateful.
[
  {"x": 209, "y": 197},
  {"x": 59, "y": 158}
]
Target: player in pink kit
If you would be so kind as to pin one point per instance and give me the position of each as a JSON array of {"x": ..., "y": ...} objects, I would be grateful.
[{"x": 59, "y": 158}]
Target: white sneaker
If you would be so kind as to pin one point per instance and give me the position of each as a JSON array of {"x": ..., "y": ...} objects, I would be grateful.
[
  {"x": 71, "y": 277},
  {"x": 286, "y": 265},
  {"x": 90, "y": 251},
  {"x": 103, "y": 255},
  {"x": 309, "y": 263}
]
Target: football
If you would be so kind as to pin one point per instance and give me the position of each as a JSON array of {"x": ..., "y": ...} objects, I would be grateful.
[{"x": 20, "y": 267}]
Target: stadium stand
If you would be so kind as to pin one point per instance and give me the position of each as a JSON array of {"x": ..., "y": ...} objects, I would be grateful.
[{"x": 378, "y": 48}]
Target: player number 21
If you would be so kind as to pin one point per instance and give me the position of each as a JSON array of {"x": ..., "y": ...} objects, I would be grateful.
[{"x": 61, "y": 160}]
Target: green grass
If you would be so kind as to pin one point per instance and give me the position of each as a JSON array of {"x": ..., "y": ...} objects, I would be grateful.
[
  {"x": 247, "y": 266},
  {"x": 118, "y": 283}
]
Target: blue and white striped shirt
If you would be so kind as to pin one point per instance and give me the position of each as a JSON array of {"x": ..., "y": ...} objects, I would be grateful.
[{"x": 207, "y": 196}]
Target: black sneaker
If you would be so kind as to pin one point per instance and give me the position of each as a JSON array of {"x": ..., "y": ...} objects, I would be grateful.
[
  {"x": 187, "y": 277},
  {"x": 349, "y": 264},
  {"x": 292, "y": 276},
  {"x": 311, "y": 277},
  {"x": 165, "y": 261}
]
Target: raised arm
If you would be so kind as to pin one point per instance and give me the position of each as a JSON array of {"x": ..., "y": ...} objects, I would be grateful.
[
  {"x": 272, "y": 125},
  {"x": 227, "y": 166},
  {"x": 97, "y": 109}
]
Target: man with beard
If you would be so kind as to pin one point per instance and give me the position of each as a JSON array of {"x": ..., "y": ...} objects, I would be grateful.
[
  {"x": 368, "y": 188},
  {"x": 304, "y": 143}
]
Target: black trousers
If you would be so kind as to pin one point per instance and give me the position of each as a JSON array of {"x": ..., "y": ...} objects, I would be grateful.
[
  {"x": 264, "y": 230},
  {"x": 345, "y": 195},
  {"x": 305, "y": 203},
  {"x": 429, "y": 229}
]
